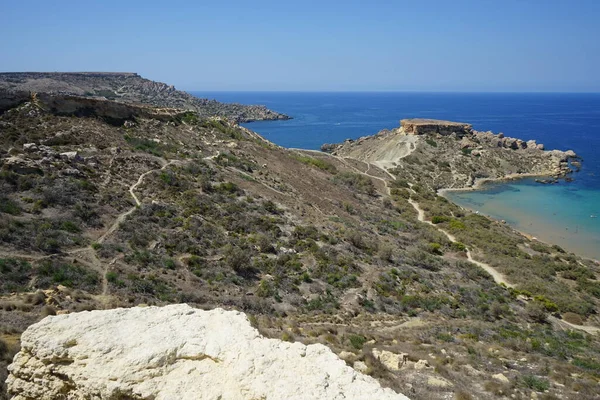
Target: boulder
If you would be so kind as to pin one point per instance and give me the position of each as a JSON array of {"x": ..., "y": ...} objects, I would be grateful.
[
  {"x": 23, "y": 166},
  {"x": 438, "y": 382},
  {"x": 30, "y": 147},
  {"x": 501, "y": 378},
  {"x": 361, "y": 367},
  {"x": 175, "y": 352},
  {"x": 422, "y": 364},
  {"x": 391, "y": 361},
  {"x": 70, "y": 156}
]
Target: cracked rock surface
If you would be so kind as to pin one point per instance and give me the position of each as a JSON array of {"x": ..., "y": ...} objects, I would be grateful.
[{"x": 175, "y": 352}]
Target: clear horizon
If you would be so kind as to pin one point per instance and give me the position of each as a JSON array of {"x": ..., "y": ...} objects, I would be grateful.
[
  {"x": 383, "y": 91},
  {"x": 431, "y": 46}
]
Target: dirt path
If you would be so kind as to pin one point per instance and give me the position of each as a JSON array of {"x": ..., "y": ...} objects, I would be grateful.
[
  {"x": 138, "y": 203},
  {"x": 567, "y": 325},
  {"x": 496, "y": 275}
]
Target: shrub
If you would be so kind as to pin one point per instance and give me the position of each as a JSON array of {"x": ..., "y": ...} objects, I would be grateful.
[
  {"x": 8, "y": 206},
  {"x": 14, "y": 275},
  {"x": 146, "y": 145},
  {"x": 318, "y": 163},
  {"x": 438, "y": 219},
  {"x": 228, "y": 187},
  {"x": 357, "y": 341},
  {"x": 357, "y": 181},
  {"x": 587, "y": 363},
  {"x": 536, "y": 312},
  {"x": 435, "y": 248},
  {"x": 357, "y": 240},
  {"x": 238, "y": 259},
  {"x": 386, "y": 252},
  {"x": 573, "y": 318},
  {"x": 52, "y": 272},
  {"x": 456, "y": 225},
  {"x": 265, "y": 289},
  {"x": 306, "y": 232},
  {"x": 431, "y": 142},
  {"x": 399, "y": 183},
  {"x": 535, "y": 383},
  {"x": 458, "y": 246}
]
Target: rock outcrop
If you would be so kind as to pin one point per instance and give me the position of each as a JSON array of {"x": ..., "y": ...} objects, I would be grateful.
[
  {"x": 419, "y": 126},
  {"x": 175, "y": 352},
  {"x": 454, "y": 153}
]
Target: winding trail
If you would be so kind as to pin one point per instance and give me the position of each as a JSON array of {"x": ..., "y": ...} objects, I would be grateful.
[
  {"x": 121, "y": 217},
  {"x": 87, "y": 255},
  {"x": 496, "y": 275}
]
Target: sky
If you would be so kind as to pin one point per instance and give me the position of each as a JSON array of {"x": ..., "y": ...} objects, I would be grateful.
[{"x": 345, "y": 45}]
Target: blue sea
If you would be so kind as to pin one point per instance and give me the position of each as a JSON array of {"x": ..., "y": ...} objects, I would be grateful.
[{"x": 561, "y": 213}]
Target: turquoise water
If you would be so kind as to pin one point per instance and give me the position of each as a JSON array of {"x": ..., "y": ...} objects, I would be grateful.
[
  {"x": 559, "y": 214},
  {"x": 555, "y": 213}
]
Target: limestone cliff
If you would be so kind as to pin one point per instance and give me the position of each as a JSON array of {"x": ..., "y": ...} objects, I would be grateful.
[
  {"x": 176, "y": 352},
  {"x": 419, "y": 126},
  {"x": 128, "y": 88}
]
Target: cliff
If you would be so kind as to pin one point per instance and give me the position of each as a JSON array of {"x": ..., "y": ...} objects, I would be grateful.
[
  {"x": 128, "y": 88},
  {"x": 176, "y": 352},
  {"x": 419, "y": 126}
]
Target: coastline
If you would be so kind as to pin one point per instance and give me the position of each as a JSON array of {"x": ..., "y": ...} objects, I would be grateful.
[{"x": 480, "y": 185}]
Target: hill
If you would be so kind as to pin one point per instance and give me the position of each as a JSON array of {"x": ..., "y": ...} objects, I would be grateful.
[
  {"x": 106, "y": 204},
  {"x": 128, "y": 88}
]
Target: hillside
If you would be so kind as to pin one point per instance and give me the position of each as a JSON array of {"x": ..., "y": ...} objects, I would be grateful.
[
  {"x": 123, "y": 205},
  {"x": 128, "y": 88}
]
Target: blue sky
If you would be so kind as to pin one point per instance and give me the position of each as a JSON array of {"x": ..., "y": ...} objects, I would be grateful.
[{"x": 456, "y": 45}]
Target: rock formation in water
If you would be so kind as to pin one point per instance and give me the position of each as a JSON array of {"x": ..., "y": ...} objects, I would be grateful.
[{"x": 176, "y": 352}]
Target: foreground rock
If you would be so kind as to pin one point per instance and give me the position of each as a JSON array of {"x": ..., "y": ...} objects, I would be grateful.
[{"x": 175, "y": 352}]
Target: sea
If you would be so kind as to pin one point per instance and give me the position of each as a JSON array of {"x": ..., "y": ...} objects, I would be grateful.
[{"x": 566, "y": 213}]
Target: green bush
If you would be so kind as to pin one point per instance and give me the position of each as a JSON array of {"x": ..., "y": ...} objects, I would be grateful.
[
  {"x": 438, "y": 219},
  {"x": 435, "y": 248},
  {"x": 535, "y": 383},
  {"x": 265, "y": 289},
  {"x": 318, "y": 163},
  {"x": 357, "y": 341},
  {"x": 238, "y": 259},
  {"x": 14, "y": 275},
  {"x": 8, "y": 206},
  {"x": 228, "y": 187},
  {"x": 52, "y": 272},
  {"x": 458, "y": 246},
  {"x": 431, "y": 142},
  {"x": 357, "y": 181},
  {"x": 456, "y": 225}
]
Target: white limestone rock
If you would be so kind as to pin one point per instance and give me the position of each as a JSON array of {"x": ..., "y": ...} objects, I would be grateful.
[
  {"x": 391, "y": 361},
  {"x": 175, "y": 352}
]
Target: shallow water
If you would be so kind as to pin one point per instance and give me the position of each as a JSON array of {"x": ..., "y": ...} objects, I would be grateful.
[
  {"x": 560, "y": 214},
  {"x": 554, "y": 213}
]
